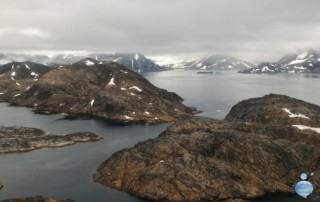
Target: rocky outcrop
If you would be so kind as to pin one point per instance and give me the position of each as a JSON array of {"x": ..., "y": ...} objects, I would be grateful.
[
  {"x": 35, "y": 199},
  {"x": 275, "y": 110},
  {"x": 17, "y": 77},
  {"x": 104, "y": 90},
  {"x": 238, "y": 159},
  {"x": 22, "y": 139}
]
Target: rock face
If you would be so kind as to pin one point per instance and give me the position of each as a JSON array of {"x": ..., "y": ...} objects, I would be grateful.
[
  {"x": 305, "y": 62},
  {"x": 17, "y": 77},
  {"x": 36, "y": 199},
  {"x": 103, "y": 90},
  {"x": 22, "y": 139},
  {"x": 238, "y": 159}
]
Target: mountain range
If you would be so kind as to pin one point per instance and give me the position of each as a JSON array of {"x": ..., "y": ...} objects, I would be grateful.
[
  {"x": 134, "y": 61},
  {"x": 305, "y": 62},
  {"x": 213, "y": 62}
]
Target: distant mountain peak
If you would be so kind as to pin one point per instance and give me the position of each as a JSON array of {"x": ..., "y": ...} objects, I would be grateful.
[{"x": 304, "y": 62}]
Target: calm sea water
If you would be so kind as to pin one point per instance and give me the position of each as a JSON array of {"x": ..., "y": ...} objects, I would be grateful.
[{"x": 66, "y": 172}]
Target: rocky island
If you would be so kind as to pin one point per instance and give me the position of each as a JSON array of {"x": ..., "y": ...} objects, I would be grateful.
[
  {"x": 261, "y": 147},
  {"x": 105, "y": 90},
  {"x": 22, "y": 139}
]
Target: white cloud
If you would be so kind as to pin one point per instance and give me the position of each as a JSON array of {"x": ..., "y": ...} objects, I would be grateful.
[
  {"x": 24, "y": 32},
  {"x": 250, "y": 29}
]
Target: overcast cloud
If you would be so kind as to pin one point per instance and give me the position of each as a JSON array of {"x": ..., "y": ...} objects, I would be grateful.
[{"x": 249, "y": 29}]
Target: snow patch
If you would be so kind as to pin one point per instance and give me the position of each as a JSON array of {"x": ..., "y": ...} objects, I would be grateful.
[
  {"x": 18, "y": 84},
  {"x": 124, "y": 71},
  {"x": 123, "y": 88},
  {"x": 16, "y": 95},
  {"x": 89, "y": 63},
  {"x": 91, "y": 103},
  {"x": 264, "y": 69},
  {"x": 132, "y": 94},
  {"x": 12, "y": 67},
  {"x": 111, "y": 82},
  {"x": 302, "y": 127},
  {"x": 136, "y": 56},
  {"x": 13, "y": 73},
  {"x": 136, "y": 88},
  {"x": 292, "y": 115},
  {"x": 27, "y": 66},
  {"x": 162, "y": 161},
  {"x": 147, "y": 113},
  {"x": 156, "y": 118},
  {"x": 12, "y": 78},
  {"x": 297, "y": 61},
  {"x": 34, "y": 74},
  {"x": 128, "y": 117},
  {"x": 132, "y": 63},
  {"x": 302, "y": 55},
  {"x": 28, "y": 88},
  {"x": 1, "y": 93}
]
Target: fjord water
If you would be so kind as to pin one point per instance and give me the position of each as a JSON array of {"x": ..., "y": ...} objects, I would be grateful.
[{"x": 66, "y": 172}]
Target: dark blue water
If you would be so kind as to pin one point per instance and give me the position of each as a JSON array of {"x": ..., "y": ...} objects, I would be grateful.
[{"x": 66, "y": 172}]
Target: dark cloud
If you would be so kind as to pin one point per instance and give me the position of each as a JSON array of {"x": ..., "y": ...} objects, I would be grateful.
[{"x": 251, "y": 29}]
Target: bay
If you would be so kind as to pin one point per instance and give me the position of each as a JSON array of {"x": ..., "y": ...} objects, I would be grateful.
[{"x": 66, "y": 172}]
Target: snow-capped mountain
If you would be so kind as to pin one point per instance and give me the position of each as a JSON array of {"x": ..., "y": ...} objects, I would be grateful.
[
  {"x": 134, "y": 61},
  {"x": 219, "y": 62},
  {"x": 305, "y": 62},
  {"x": 214, "y": 62},
  {"x": 172, "y": 61}
]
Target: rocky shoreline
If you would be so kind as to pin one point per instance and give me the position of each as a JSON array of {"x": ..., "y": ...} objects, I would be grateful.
[
  {"x": 35, "y": 199},
  {"x": 23, "y": 139},
  {"x": 260, "y": 148}
]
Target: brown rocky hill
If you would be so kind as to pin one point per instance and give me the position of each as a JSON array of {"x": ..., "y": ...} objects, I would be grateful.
[
  {"x": 17, "y": 77},
  {"x": 204, "y": 159},
  {"x": 104, "y": 90}
]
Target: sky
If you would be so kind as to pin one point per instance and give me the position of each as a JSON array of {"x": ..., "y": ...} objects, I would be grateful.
[{"x": 256, "y": 30}]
